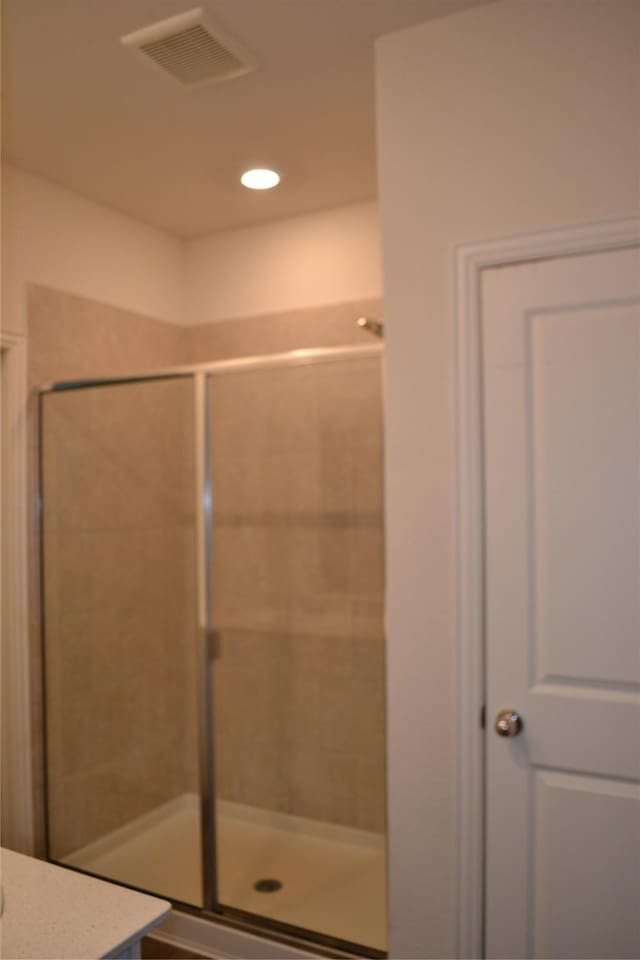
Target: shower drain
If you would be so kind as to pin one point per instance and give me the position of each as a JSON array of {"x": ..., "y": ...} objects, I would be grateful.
[{"x": 267, "y": 885}]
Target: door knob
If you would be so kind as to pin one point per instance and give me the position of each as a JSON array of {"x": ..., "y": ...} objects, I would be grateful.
[{"x": 508, "y": 723}]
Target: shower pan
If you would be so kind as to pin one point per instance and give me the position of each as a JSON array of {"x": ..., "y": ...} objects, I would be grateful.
[{"x": 213, "y": 647}]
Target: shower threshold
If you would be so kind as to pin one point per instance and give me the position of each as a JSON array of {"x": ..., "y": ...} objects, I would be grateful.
[{"x": 332, "y": 878}]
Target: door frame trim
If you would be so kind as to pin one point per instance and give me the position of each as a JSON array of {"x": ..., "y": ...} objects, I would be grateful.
[
  {"x": 17, "y": 780},
  {"x": 469, "y": 262}
]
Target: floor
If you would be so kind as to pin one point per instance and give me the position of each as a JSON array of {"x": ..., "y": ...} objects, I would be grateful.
[{"x": 333, "y": 878}]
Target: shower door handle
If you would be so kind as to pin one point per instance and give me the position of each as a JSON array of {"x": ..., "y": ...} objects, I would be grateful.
[{"x": 213, "y": 645}]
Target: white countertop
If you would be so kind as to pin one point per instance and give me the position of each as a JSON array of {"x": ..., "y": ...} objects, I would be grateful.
[{"x": 52, "y": 912}]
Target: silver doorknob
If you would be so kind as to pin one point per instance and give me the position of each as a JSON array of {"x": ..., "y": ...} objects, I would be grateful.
[{"x": 508, "y": 723}]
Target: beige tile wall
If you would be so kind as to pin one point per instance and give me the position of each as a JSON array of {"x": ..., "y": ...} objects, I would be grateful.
[
  {"x": 106, "y": 556},
  {"x": 330, "y": 326},
  {"x": 298, "y": 590},
  {"x": 118, "y": 599},
  {"x": 298, "y": 575}
]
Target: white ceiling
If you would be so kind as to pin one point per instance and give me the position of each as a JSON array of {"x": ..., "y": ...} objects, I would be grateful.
[{"x": 86, "y": 113}]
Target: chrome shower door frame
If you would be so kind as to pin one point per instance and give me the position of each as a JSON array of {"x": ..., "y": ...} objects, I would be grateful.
[
  {"x": 206, "y": 639},
  {"x": 203, "y": 565},
  {"x": 201, "y": 375}
]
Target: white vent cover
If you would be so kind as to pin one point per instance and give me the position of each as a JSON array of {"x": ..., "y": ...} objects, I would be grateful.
[{"x": 191, "y": 49}]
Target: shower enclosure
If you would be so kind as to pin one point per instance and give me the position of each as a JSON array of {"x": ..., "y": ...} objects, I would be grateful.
[{"x": 212, "y": 583}]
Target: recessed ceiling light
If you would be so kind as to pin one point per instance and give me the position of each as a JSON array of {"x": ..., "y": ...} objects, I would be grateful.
[{"x": 260, "y": 179}]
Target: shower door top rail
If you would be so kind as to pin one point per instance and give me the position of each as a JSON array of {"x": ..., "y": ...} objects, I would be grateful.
[{"x": 298, "y": 357}]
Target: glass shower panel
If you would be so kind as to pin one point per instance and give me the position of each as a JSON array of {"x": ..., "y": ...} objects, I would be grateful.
[
  {"x": 119, "y": 607},
  {"x": 298, "y": 608}
]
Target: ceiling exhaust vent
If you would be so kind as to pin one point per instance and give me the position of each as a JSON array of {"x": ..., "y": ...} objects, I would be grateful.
[{"x": 191, "y": 49}]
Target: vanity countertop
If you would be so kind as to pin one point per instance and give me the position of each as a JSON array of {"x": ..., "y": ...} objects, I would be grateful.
[{"x": 52, "y": 912}]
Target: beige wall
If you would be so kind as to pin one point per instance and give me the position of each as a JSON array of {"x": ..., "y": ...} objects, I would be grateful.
[
  {"x": 322, "y": 258},
  {"x": 53, "y": 237},
  {"x": 56, "y": 238},
  {"x": 507, "y": 118}
]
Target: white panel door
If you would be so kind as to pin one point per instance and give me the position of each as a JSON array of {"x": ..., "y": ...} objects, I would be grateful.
[{"x": 561, "y": 374}]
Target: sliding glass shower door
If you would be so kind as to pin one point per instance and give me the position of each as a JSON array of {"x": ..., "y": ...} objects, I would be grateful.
[
  {"x": 296, "y": 452},
  {"x": 118, "y": 548},
  {"x": 212, "y": 561}
]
